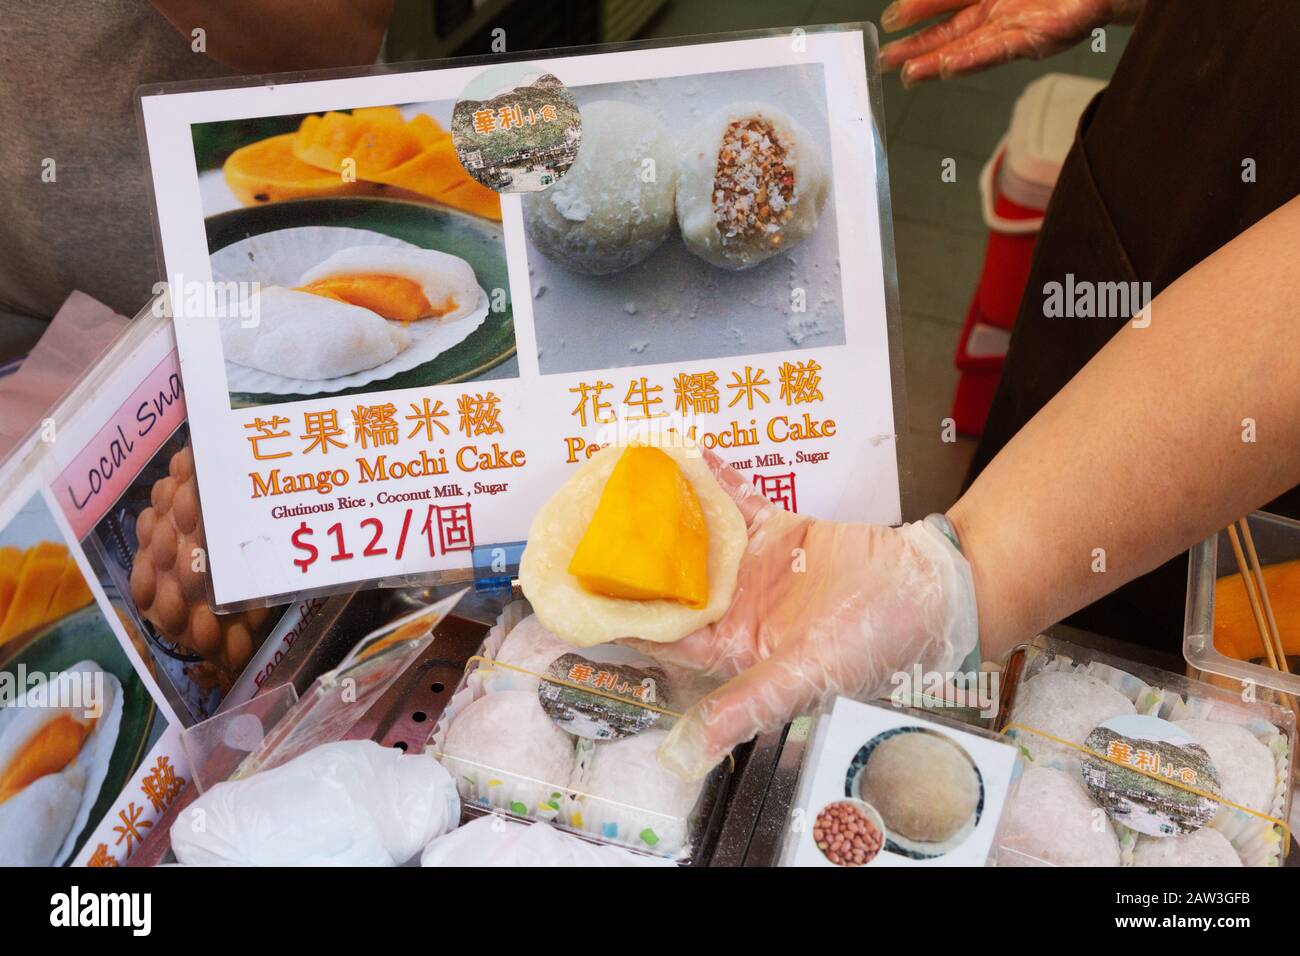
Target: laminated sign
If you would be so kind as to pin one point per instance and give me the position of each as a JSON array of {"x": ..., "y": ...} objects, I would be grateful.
[
  {"x": 108, "y": 649},
  {"x": 409, "y": 303}
]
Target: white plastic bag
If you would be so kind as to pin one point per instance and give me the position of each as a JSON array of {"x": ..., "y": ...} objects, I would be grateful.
[
  {"x": 493, "y": 840},
  {"x": 348, "y": 803}
]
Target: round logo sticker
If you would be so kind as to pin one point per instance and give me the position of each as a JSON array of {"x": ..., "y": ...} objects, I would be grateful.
[
  {"x": 1151, "y": 775},
  {"x": 624, "y": 699},
  {"x": 516, "y": 129}
]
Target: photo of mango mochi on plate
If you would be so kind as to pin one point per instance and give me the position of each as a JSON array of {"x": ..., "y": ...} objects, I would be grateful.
[
  {"x": 337, "y": 307},
  {"x": 357, "y": 251}
]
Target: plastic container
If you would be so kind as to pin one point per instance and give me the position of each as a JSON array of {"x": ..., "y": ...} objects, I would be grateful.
[
  {"x": 568, "y": 735},
  {"x": 1277, "y": 539},
  {"x": 866, "y": 793},
  {"x": 1009, "y": 252},
  {"x": 1176, "y": 793}
]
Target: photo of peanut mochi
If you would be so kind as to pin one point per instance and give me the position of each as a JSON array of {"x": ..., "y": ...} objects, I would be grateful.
[{"x": 750, "y": 185}]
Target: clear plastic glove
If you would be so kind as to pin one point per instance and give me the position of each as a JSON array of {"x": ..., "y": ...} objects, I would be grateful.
[
  {"x": 985, "y": 33},
  {"x": 821, "y": 609}
]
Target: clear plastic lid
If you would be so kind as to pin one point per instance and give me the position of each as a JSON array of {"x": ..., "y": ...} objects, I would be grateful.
[
  {"x": 339, "y": 698},
  {"x": 1223, "y": 640},
  {"x": 1129, "y": 765},
  {"x": 541, "y": 730}
]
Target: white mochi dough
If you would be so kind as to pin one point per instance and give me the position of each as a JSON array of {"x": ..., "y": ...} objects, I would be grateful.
[
  {"x": 1204, "y": 847},
  {"x": 923, "y": 785},
  {"x": 628, "y": 787},
  {"x": 506, "y": 740},
  {"x": 530, "y": 647},
  {"x": 733, "y": 211},
  {"x": 1050, "y": 820},
  {"x": 1247, "y": 772},
  {"x": 1065, "y": 705},
  {"x": 441, "y": 277},
  {"x": 574, "y": 614},
  {"x": 301, "y": 335},
  {"x": 612, "y": 208}
]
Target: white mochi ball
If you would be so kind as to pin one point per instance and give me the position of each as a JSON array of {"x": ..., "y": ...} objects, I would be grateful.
[
  {"x": 751, "y": 184},
  {"x": 1247, "y": 773},
  {"x": 1203, "y": 847},
  {"x": 508, "y": 751},
  {"x": 530, "y": 647},
  {"x": 630, "y": 796},
  {"x": 1051, "y": 820},
  {"x": 615, "y": 204},
  {"x": 1064, "y": 705}
]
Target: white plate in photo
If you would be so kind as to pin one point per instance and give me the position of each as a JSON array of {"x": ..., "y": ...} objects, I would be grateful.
[{"x": 280, "y": 258}]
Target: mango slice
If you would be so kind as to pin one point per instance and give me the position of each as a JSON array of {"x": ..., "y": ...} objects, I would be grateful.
[
  {"x": 426, "y": 130},
  {"x": 647, "y": 539},
  {"x": 375, "y": 145},
  {"x": 37, "y": 582},
  {"x": 416, "y": 155},
  {"x": 11, "y": 563},
  {"x": 379, "y": 114},
  {"x": 72, "y": 592},
  {"x": 48, "y": 751},
  {"x": 393, "y": 297},
  {"x": 437, "y": 173},
  {"x": 38, "y": 585},
  {"x": 267, "y": 171}
]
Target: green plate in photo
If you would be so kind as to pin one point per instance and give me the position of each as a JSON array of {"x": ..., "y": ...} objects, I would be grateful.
[
  {"x": 85, "y": 636},
  {"x": 477, "y": 241}
]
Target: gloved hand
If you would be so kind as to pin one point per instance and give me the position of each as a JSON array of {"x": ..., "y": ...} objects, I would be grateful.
[
  {"x": 984, "y": 33},
  {"x": 821, "y": 609}
]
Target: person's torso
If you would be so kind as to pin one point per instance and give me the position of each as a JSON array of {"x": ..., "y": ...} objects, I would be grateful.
[{"x": 74, "y": 207}]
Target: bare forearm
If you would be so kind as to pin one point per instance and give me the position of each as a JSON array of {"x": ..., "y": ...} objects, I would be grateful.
[
  {"x": 254, "y": 36},
  {"x": 1145, "y": 451}
]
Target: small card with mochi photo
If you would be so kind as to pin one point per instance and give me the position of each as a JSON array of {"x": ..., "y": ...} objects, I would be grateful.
[{"x": 883, "y": 786}]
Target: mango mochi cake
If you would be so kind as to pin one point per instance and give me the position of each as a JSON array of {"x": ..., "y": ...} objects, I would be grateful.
[{"x": 640, "y": 542}]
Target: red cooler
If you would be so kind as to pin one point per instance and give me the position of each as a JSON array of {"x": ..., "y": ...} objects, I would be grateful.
[{"x": 1015, "y": 186}]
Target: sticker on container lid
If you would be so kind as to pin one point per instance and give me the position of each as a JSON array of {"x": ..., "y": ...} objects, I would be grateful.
[
  {"x": 602, "y": 700},
  {"x": 1151, "y": 775},
  {"x": 516, "y": 129}
]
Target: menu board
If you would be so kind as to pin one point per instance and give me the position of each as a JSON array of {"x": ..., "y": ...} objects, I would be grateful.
[{"x": 409, "y": 304}]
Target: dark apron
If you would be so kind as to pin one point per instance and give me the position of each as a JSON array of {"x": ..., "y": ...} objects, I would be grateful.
[{"x": 1153, "y": 185}]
